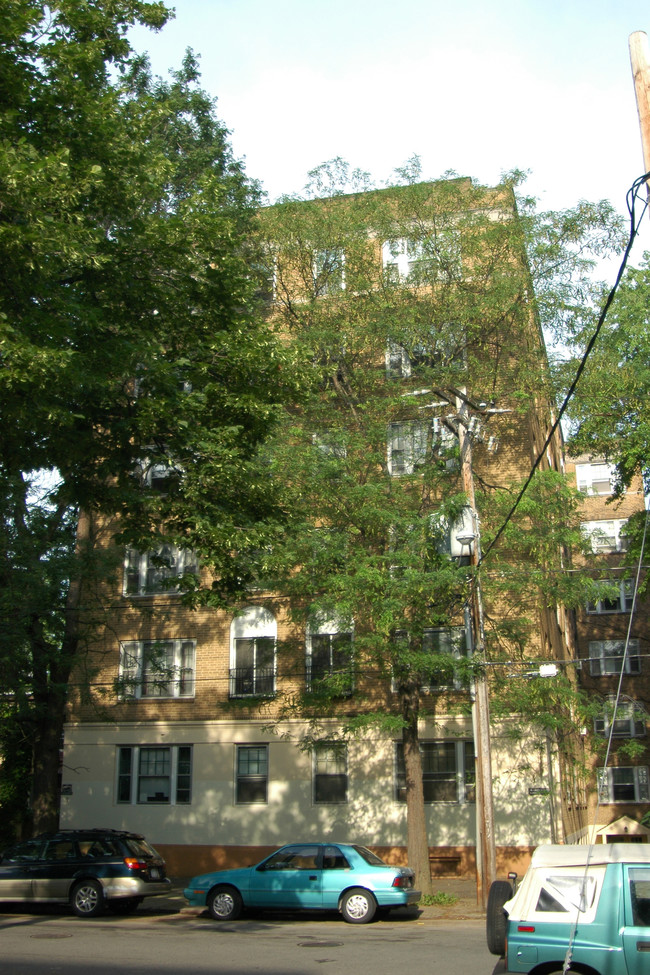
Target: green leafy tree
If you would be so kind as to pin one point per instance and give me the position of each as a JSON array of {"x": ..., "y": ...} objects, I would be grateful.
[
  {"x": 412, "y": 305},
  {"x": 609, "y": 409},
  {"x": 129, "y": 347}
]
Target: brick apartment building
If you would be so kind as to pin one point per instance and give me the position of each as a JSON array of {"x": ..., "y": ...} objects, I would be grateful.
[{"x": 183, "y": 731}]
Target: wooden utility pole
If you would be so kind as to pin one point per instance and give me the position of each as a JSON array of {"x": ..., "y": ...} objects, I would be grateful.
[
  {"x": 485, "y": 832},
  {"x": 640, "y": 60}
]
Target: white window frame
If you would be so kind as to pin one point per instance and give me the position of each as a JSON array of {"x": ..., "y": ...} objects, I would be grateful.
[
  {"x": 330, "y": 628},
  {"x": 416, "y": 435},
  {"x": 255, "y": 623},
  {"x": 596, "y": 478},
  {"x": 458, "y": 647},
  {"x": 138, "y": 680},
  {"x": 132, "y": 782},
  {"x": 441, "y": 251},
  {"x": 630, "y": 721},
  {"x": 606, "y": 535},
  {"x": 141, "y": 566},
  {"x": 623, "y": 603},
  {"x": 607, "y": 784},
  {"x": 257, "y": 779},
  {"x": 328, "y": 271},
  {"x": 464, "y": 776},
  {"x": 601, "y": 652},
  {"x": 329, "y": 760}
]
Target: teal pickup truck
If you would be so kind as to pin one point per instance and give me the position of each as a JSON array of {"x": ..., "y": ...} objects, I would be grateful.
[{"x": 579, "y": 909}]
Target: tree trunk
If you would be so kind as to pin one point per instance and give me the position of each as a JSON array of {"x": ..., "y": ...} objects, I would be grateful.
[
  {"x": 51, "y": 678},
  {"x": 417, "y": 840}
]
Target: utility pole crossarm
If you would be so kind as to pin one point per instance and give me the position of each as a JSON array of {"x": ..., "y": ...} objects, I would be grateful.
[{"x": 640, "y": 61}]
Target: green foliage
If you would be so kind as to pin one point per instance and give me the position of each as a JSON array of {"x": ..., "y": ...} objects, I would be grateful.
[
  {"x": 440, "y": 899},
  {"x": 609, "y": 410},
  {"x": 129, "y": 339}
]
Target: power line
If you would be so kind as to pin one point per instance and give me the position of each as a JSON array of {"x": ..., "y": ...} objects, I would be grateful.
[{"x": 634, "y": 229}]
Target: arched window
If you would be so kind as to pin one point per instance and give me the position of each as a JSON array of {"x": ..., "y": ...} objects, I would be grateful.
[{"x": 253, "y": 637}]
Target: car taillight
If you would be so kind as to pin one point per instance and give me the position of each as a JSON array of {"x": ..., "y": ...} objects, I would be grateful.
[
  {"x": 400, "y": 882},
  {"x": 134, "y": 864}
]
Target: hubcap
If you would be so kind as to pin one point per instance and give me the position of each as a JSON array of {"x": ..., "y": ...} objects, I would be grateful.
[
  {"x": 357, "y": 906},
  {"x": 223, "y": 904},
  {"x": 86, "y": 899}
]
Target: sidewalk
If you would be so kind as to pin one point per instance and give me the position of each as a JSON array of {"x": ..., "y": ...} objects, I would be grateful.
[{"x": 463, "y": 908}]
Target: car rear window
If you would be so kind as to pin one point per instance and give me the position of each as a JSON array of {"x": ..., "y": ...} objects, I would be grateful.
[
  {"x": 369, "y": 857},
  {"x": 139, "y": 848}
]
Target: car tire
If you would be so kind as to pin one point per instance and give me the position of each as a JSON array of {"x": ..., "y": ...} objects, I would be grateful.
[
  {"x": 87, "y": 898},
  {"x": 225, "y": 903},
  {"x": 496, "y": 920},
  {"x": 358, "y": 906},
  {"x": 124, "y": 905}
]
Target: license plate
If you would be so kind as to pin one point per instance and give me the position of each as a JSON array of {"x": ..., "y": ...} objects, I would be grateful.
[{"x": 154, "y": 873}]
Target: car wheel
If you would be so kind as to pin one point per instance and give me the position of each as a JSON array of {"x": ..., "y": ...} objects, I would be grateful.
[
  {"x": 358, "y": 906},
  {"x": 225, "y": 903},
  {"x": 87, "y": 898},
  {"x": 124, "y": 905},
  {"x": 496, "y": 920}
]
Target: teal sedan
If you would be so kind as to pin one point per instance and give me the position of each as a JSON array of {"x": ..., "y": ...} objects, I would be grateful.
[{"x": 308, "y": 876}]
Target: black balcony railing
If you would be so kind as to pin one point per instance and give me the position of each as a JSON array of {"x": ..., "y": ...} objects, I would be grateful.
[{"x": 252, "y": 682}]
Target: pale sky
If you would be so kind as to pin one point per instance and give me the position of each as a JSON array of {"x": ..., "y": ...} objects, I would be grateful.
[{"x": 476, "y": 87}]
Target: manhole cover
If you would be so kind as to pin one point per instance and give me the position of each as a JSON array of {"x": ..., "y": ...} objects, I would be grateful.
[
  {"x": 50, "y": 937},
  {"x": 320, "y": 944}
]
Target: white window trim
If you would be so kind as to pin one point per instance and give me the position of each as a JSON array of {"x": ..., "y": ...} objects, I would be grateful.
[
  {"x": 591, "y": 477},
  {"x": 625, "y": 596},
  {"x": 326, "y": 627},
  {"x": 598, "y": 655},
  {"x": 342, "y": 748},
  {"x": 250, "y": 776},
  {"x": 399, "y": 255},
  {"x": 462, "y": 786},
  {"x": 138, "y": 562},
  {"x": 599, "y": 532},
  {"x": 255, "y": 622},
  {"x": 134, "y": 775},
  {"x": 330, "y": 285},
  {"x": 132, "y": 674},
  {"x": 641, "y": 786},
  {"x": 630, "y": 721},
  {"x": 458, "y": 635}
]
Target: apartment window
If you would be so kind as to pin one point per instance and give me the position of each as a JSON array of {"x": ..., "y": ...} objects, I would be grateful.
[
  {"x": 157, "y": 668},
  {"x": 447, "y": 771},
  {"x": 606, "y": 536},
  {"x": 330, "y": 774},
  {"x": 624, "y": 784},
  {"x": 630, "y": 720},
  {"x": 154, "y": 774},
  {"x": 329, "y": 658},
  {"x": 448, "y": 640},
  {"x": 620, "y": 600},
  {"x": 436, "y": 257},
  {"x": 445, "y": 345},
  {"x": 595, "y": 478},
  {"x": 606, "y": 657},
  {"x": 253, "y": 638},
  {"x": 329, "y": 271},
  {"x": 328, "y": 444},
  {"x": 408, "y": 443},
  {"x": 252, "y": 774},
  {"x": 157, "y": 571}
]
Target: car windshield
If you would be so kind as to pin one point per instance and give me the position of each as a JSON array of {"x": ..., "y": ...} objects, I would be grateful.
[{"x": 369, "y": 857}]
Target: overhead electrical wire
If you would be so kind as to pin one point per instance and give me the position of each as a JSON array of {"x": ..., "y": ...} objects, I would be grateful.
[{"x": 635, "y": 223}]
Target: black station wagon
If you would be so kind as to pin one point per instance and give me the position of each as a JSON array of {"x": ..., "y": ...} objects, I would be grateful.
[{"x": 90, "y": 870}]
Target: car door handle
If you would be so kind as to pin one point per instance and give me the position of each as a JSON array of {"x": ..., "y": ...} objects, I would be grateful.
[
  {"x": 643, "y": 946},
  {"x": 313, "y": 876}
]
